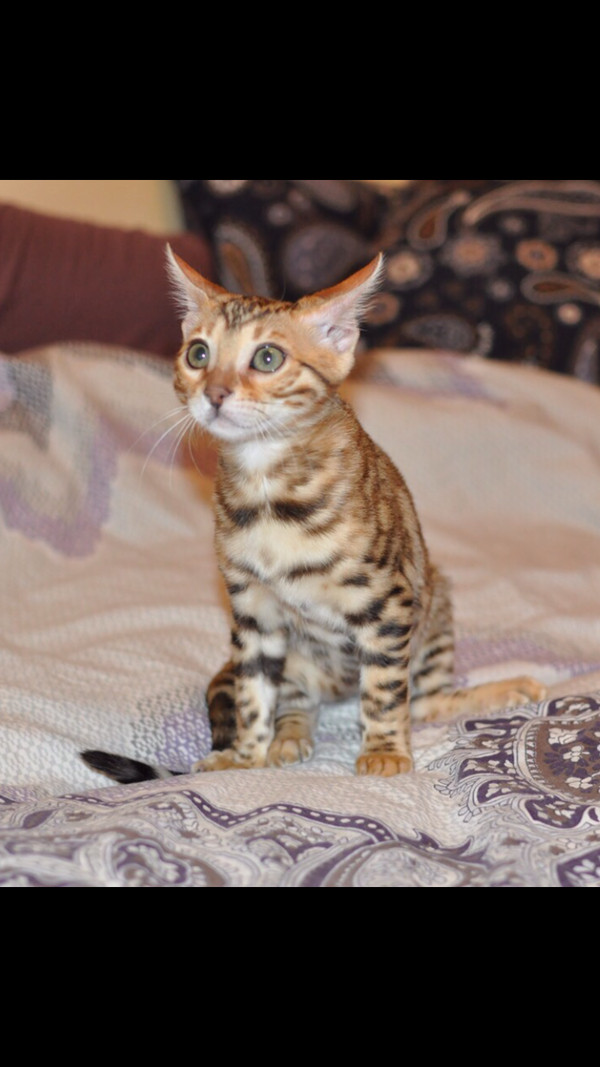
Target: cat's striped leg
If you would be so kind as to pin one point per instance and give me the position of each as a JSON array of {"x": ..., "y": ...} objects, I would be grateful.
[
  {"x": 384, "y": 717},
  {"x": 384, "y": 653},
  {"x": 294, "y": 727},
  {"x": 294, "y": 722},
  {"x": 296, "y": 715},
  {"x": 220, "y": 699},
  {"x": 257, "y": 680},
  {"x": 320, "y": 667},
  {"x": 432, "y": 667},
  {"x": 248, "y": 687}
]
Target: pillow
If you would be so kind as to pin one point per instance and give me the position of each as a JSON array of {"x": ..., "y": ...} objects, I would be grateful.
[
  {"x": 506, "y": 268},
  {"x": 62, "y": 280}
]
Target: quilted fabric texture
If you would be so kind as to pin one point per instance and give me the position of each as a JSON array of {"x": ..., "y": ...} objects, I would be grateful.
[{"x": 113, "y": 621}]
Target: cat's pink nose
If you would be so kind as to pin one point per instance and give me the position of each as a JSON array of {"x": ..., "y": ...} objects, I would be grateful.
[{"x": 216, "y": 394}]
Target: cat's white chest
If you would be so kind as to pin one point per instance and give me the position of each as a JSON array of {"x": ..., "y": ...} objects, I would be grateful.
[{"x": 258, "y": 457}]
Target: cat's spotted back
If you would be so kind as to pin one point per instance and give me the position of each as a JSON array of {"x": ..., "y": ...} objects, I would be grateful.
[{"x": 331, "y": 587}]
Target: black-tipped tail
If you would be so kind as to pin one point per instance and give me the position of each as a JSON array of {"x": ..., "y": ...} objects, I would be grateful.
[{"x": 122, "y": 769}]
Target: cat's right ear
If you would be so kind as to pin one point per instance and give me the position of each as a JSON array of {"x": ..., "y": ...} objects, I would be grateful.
[
  {"x": 193, "y": 292},
  {"x": 333, "y": 317}
]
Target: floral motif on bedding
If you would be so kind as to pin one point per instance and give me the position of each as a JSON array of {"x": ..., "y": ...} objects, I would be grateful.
[{"x": 517, "y": 805}]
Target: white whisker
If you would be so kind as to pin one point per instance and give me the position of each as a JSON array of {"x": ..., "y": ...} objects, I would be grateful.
[
  {"x": 195, "y": 428},
  {"x": 168, "y": 415},
  {"x": 188, "y": 423},
  {"x": 182, "y": 420}
]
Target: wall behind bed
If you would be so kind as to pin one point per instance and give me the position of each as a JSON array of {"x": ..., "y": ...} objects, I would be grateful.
[{"x": 151, "y": 204}]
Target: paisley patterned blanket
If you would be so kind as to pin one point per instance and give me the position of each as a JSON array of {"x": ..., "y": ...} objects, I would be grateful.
[{"x": 113, "y": 621}]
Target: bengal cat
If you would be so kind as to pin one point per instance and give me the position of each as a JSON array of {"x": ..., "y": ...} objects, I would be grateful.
[{"x": 331, "y": 587}]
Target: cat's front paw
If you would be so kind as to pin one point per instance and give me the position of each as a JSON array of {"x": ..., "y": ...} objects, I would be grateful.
[
  {"x": 285, "y": 750},
  {"x": 383, "y": 764},
  {"x": 224, "y": 760}
]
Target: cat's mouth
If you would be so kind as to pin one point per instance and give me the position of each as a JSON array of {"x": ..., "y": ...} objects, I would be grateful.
[
  {"x": 221, "y": 424},
  {"x": 231, "y": 421},
  {"x": 225, "y": 422}
]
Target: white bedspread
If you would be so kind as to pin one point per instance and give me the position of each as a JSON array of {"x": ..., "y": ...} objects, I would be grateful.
[{"x": 113, "y": 620}]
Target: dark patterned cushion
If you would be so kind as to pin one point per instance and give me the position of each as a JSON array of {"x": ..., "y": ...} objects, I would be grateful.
[
  {"x": 504, "y": 269},
  {"x": 507, "y": 269}
]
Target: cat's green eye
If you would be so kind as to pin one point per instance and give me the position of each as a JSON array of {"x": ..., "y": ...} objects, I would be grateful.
[
  {"x": 197, "y": 355},
  {"x": 267, "y": 358}
]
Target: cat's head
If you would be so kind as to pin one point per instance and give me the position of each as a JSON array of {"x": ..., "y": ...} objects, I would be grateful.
[{"x": 251, "y": 368}]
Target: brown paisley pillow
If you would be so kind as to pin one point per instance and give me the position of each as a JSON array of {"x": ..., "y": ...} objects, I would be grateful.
[{"x": 507, "y": 269}]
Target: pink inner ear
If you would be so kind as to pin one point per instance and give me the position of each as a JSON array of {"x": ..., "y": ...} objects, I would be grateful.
[
  {"x": 333, "y": 316},
  {"x": 341, "y": 337},
  {"x": 341, "y": 308}
]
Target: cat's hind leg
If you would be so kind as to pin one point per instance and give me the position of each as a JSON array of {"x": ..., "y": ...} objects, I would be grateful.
[
  {"x": 487, "y": 697},
  {"x": 433, "y": 695},
  {"x": 432, "y": 664},
  {"x": 220, "y": 699},
  {"x": 294, "y": 721},
  {"x": 243, "y": 696}
]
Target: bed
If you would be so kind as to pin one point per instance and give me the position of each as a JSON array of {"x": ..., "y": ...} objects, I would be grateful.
[{"x": 114, "y": 620}]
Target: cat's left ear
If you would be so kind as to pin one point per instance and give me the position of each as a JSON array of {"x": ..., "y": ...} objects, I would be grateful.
[{"x": 333, "y": 317}]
